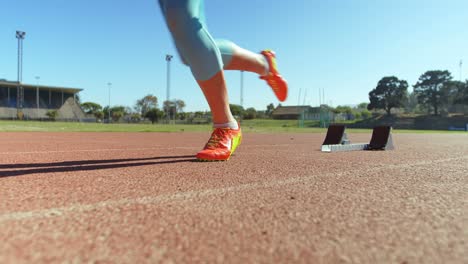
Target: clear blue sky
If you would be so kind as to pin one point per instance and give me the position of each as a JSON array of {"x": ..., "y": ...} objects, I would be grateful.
[{"x": 342, "y": 46}]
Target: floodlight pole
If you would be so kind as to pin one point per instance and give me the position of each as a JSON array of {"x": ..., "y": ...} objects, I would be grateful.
[
  {"x": 242, "y": 88},
  {"x": 37, "y": 96},
  {"x": 299, "y": 97},
  {"x": 20, "y": 93},
  {"x": 304, "y": 99},
  {"x": 168, "y": 85},
  {"x": 108, "y": 108},
  {"x": 461, "y": 65},
  {"x": 323, "y": 95},
  {"x": 320, "y": 97}
]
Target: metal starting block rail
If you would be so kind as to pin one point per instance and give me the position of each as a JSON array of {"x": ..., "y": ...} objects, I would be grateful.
[{"x": 337, "y": 140}]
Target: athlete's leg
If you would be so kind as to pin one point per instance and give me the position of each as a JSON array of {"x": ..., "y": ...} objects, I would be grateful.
[
  {"x": 264, "y": 64},
  {"x": 237, "y": 58},
  {"x": 198, "y": 49}
]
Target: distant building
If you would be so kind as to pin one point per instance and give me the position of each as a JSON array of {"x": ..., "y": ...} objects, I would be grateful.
[
  {"x": 38, "y": 100},
  {"x": 294, "y": 112},
  {"x": 304, "y": 112}
]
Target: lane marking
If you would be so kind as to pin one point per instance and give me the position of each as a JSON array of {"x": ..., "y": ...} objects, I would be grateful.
[
  {"x": 86, "y": 150},
  {"x": 191, "y": 195},
  {"x": 129, "y": 149}
]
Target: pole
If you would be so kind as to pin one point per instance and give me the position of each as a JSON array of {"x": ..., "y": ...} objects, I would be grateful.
[
  {"x": 37, "y": 96},
  {"x": 304, "y": 99},
  {"x": 320, "y": 97},
  {"x": 299, "y": 97},
  {"x": 461, "y": 64},
  {"x": 19, "y": 57},
  {"x": 20, "y": 93},
  {"x": 242, "y": 88},
  {"x": 168, "y": 86},
  {"x": 108, "y": 108},
  {"x": 323, "y": 95}
]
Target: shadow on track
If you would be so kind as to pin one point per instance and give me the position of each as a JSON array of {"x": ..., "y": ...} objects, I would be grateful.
[{"x": 10, "y": 170}]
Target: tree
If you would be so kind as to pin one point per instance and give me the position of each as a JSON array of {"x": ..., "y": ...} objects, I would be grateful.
[
  {"x": 365, "y": 114},
  {"x": 429, "y": 89},
  {"x": 236, "y": 110},
  {"x": 154, "y": 114},
  {"x": 182, "y": 116},
  {"x": 462, "y": 96},
  {"x": 52, "y": 114},
  {"x": 90, "y": 108},
  {"x": 343, "y": 109},
  {"x": 105, "y": 111},
  {"x": 98, "y": 115},
  {"x": 116, "y": 115},
  {"x": 269, "y": 110},
  {"x": 116, "y": 112},
  {"x": 180, "y": 105},
  {"x": 250, "y": 113},
  {"x": 456, "y": 92},
  {"x": 170, "y": 109},
  {"x": 199, "y": 114},
  {"x": 362, "y": 106},
  {"x": 95, "y": 109},
  {"x": 146, "y": 103},
  {"x": 389, "y": 93},
  {"x": 411, "y": 105},
  {"x": 134, "y": 117}
]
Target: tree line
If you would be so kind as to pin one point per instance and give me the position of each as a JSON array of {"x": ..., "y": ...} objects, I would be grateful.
[
  {"x": 434, "y": 90},
  {"x": 146, "y": 107}
]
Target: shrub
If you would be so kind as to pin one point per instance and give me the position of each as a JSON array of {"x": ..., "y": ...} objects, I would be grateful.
[{"x": 52, "y": 114}]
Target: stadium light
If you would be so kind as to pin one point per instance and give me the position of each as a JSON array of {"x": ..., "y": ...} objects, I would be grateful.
[
  {"x": 108, "y": 108},
  {"x": 168, "y": 85},
  {"x": 461, "y": 66},
  {"x": 37, "y": 95},
  {"x": 242, "y": 88},
  {"x": 20, "y": 35}
]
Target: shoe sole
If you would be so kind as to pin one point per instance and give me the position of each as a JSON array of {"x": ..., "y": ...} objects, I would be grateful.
[{"x": 212, "y": 160}]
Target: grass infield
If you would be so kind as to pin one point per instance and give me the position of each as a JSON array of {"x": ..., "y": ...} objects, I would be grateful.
[{"x": 255, "y": 126}]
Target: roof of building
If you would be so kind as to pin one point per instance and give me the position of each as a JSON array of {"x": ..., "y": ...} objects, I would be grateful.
[{"x": 5, "y": 83}]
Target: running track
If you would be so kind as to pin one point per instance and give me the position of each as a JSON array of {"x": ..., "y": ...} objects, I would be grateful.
[{"x": 141, "y": 198}]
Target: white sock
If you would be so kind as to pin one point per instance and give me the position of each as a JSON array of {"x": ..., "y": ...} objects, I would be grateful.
[
  {"x": 267, "y": 66},
  {"x": 231, "y": 125}
]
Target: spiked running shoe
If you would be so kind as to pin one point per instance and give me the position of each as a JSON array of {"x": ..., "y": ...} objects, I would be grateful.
[
  {"x": 223, "y": 142},
  {"x": 277, "y": 83}
]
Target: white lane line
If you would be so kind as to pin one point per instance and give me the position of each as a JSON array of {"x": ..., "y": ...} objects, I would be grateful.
[
  {"x": 88, "y": 150},
  {"x": 125, "y": 149},
  {"x": 191, "y": 195}
]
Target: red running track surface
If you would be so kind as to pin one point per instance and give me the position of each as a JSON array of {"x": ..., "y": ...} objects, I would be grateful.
[{"x": 141, "y": 198}]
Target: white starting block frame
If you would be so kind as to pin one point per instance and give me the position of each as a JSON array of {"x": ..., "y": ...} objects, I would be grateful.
[{"x": 337, "y": 140}]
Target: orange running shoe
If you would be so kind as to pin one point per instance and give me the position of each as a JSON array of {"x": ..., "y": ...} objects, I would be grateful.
[
  {"x": 223, "y": 142},
  {"x": 273, "y": 78}
]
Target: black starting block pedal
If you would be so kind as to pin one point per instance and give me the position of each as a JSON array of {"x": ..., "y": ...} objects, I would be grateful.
[
  {"x": 381, "y": 139},
  {"x": 336, "y": 135}
]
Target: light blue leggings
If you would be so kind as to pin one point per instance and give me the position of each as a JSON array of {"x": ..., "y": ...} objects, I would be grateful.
[{"x": 186, "y": 21}]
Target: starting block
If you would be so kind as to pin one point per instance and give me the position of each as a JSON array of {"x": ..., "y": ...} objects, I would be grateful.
[{"x": 337, "y": 140}]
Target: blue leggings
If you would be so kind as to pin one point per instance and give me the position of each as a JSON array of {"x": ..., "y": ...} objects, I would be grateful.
[{"x": 186, "y": 21}]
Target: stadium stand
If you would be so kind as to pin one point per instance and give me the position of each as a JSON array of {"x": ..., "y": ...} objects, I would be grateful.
[{"x": 38, "y": 100}]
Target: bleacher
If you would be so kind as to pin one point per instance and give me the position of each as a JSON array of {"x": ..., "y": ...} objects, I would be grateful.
[{"x": 50, "y": 98}]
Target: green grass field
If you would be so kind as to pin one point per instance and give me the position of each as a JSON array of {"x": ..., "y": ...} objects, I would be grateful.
[
  {"x": 257, "y": 125},
  {"x": 253, "y": 126}
]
